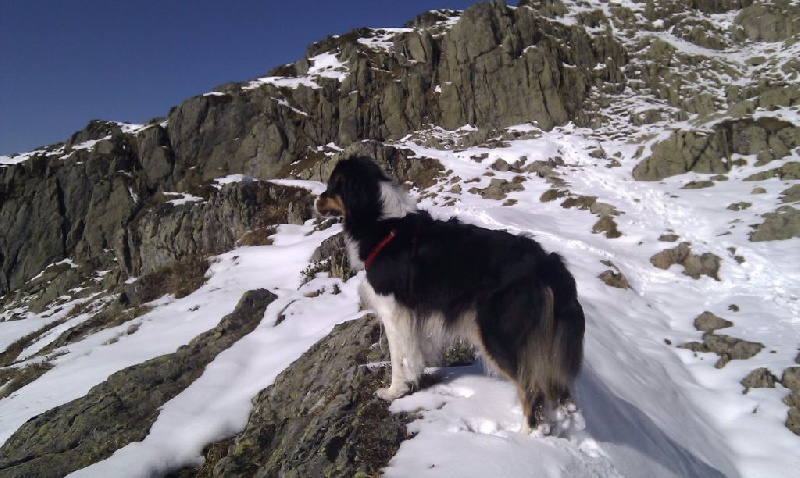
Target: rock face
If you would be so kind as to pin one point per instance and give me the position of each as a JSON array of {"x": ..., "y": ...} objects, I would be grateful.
[
  {"x": 98, "y": 209},
  {"x": 121, "y": 409},
  {"x": 165, "y": 232}
]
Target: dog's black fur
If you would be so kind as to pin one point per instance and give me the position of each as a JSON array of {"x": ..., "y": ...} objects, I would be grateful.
[{"x": 432, "y": 280}]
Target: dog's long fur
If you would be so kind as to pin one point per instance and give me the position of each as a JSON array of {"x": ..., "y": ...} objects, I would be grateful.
[{"x": 431, "y": 281}]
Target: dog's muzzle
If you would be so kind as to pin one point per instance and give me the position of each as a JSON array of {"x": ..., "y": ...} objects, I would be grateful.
[{"x": 329, "y": 206}]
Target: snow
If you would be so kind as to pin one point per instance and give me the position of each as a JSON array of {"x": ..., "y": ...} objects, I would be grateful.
[
  {"x": 218, "y": 403},
  {"x": 182, "y": 198},
  {"x": 382, "y": 39},
  {"x": 281, "y": 81},
  {"x": 325, "y": 65},
  {"x": 232, "y": 178},
  {"x": 313, "y": 186},
  {"x": 15, "y": 159}
]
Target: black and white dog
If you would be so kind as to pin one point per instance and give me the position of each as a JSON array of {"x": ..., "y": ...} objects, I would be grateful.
[{"x": 431, "y": 281}]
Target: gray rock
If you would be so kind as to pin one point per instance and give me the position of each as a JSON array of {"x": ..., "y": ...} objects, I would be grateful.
[
  {"x": 162, "y": 232},
  {"x": 788, "y": 171},
  {"x": 614, "y": 279},
  {"x": 791, "y": 378},
  {"x": 694, "y": 266},
  {"x": 739, "y": 206},
  {"x": 793, "y": 420},
  {"x": 709, "y": 152},
  {"x": 698, "y": 185},
  {"x": 331, "y": 257},
  {"x": 791, "y": 194},
  {"x": 499, "y": 188},
  {"x": 770, "y": 23},
  {"x": 759, "y": 378},
  {"x": 607, "y": 226},
  {"x": 710, "y": 322},
  {"x": 726, "y": 347},
  {"x": 779, "y": 225}
]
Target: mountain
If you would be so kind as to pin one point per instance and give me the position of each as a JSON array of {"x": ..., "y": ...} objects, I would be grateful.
[{"x": 171, "y": 306}]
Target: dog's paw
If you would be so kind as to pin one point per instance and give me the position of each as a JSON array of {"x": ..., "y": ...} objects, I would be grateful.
[{"x": 391, "y": 393}]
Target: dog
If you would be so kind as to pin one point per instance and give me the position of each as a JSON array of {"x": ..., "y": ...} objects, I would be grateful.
[{"x": 431, "y": 281}]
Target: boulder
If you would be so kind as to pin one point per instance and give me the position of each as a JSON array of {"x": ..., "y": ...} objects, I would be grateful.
[
  {"x": 759, "y": 378},
  {"x": 726, "y": 347},
  {"x": 709, "y": 322},
  {"x": 782, "y": 224},
  {"x": 694, "y": 266}
]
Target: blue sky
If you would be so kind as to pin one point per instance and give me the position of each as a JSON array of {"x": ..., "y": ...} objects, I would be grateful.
[{"x": 63, "y": 63}]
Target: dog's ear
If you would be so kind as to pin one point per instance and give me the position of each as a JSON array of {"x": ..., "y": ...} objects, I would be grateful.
[{"x": 339, "y": 185}]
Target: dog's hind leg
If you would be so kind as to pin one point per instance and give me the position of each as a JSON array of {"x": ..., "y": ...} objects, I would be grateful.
[{"x": 406, "y": 357}]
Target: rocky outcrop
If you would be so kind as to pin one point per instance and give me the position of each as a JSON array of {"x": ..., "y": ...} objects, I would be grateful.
[
  {"x": 791, "y": 380},
  {"x": 74, "y": 205},
  {"x": 97, "y": 206},
  {"x": 420, "y": 172},
  {"x": 759, "y": 378},
  {"x": 121, "y": 409},
  {"x": 771, "y": 23},
  {"x": 711, "y": 152},
  {"x": 431, "y": 75},
  {"x": 321, "y": 417},
  {"x": 493, "y": 49},
  {"x": 165, "y": 232}
]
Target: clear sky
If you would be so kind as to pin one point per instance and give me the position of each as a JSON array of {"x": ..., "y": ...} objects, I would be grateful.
[{"x": 63, "y": 63}]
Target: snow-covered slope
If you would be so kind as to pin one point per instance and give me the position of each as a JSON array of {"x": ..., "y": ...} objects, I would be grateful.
[{"x": 650, "y": 407}]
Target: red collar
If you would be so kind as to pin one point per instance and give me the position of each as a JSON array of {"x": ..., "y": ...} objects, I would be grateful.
[{"x": 374, "y": 252}]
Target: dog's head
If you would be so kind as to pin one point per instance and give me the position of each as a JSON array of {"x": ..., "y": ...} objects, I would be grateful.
[{"x": 360, "y": 191}]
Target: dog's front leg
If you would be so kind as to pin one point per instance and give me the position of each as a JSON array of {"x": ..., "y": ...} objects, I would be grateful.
[
  {"x": 407, "y": 362},
  {"x": 404, "y": 351}
]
